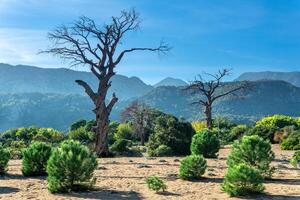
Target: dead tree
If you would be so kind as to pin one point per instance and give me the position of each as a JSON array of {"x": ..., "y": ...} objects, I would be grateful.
[
  {"x": 85, "y": 43},
  {"x": 137, "y": 113},
  {"x": 208, "y": 91}
]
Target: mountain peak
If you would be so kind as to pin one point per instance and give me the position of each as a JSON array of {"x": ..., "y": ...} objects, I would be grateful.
[{"x": 169, "y": 81}]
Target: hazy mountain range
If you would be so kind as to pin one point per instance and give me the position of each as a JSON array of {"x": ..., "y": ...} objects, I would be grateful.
[
  {"x": 51, "y": 98},
  {"x": 291, "y": 77}
]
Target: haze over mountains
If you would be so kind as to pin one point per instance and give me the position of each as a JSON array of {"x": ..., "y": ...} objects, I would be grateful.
[
  {"x": 51, "y": 98},
  {"x": 291, "y": 77}
]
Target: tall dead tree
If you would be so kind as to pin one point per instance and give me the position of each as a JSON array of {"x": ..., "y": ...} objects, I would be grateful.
[
  {"x": 85, "y": 43},
  {"x": 208, "y": 91}
]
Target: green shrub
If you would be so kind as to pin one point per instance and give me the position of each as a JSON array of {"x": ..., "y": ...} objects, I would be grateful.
[
  {"x": 35, "y": 159},
  {"x": 120, "y": 146},
  {"x": 49, "y": 135},
  {"x": 155, "y": 183},
  {"x": 83, "y": 136},
  {"x": 292, "y": 142},
  {"x": 112, "y": 130},
  {"x": 205, "y": 143},
  {"x": 16, "y": 148},
  {"x": 278, "y": 121},
  {"x": 4, "y": 158},
  {"x": 237, "y": 132},
  {"x": 78, "y": 124},
  {"x": 124, "y": 131},
  {"x": 162, "y": 150},
  {"x": 265, "y": 132},
  {"x": 241, "y": 180},
  {"x": 173, "y": 133},
  {"x": 70, "y": 167},
  {"x": 192, "y": 167},
  {"x": 253, "y": 151},
  {"x": 295, "y": 159}
]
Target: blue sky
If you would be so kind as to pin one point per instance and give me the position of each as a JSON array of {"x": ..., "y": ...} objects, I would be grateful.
[{"x": 243, "y": 35}]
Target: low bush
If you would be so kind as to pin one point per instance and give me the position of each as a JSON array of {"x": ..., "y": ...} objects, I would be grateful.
[
  {"x": 278, "y": 121},
  {"x": 198, "y": 125},
  {"x": 124, "y": 131},
  {"x": 237, "y": 132},
  {"x": 292, "y": 142},
  {"x": 120, "y": 146},
  {"x": 35, "y": 159},
  {"x": 265, "y": 132},
  {"x": 241, "y": 180},
  {"x": 162, "y": 150},
  {"x": 173, "y": 133},
  {"x": 253, "y": 151},
  {"x": 155, "y": 183},
  {"x": 4, "y": 158},
  {"x": 49, "y": 135},
  {"x": 295, "y": 159},
  {"x": 192, "y": 167},
  {"x": 70, "y": 167},
  {"x": 205, "y": 143},
  {"x": 15, "y": 149},
  {"x": 83, "y": 136}
]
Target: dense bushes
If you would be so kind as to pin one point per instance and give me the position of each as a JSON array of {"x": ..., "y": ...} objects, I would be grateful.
[
  {"x": 242, "y": 179},
  {"x": 124, "y": 131},
  {"x": 35, "y": 159},
  {"x": 292, "y": 142},
  {"x": 4, "y": 158},
  {"x": 70, "y": 167},
  {"x": 278, "y": 121},
  {"x": 253, "y": 151},
  {"x": 192, "y": 167},
  {"x": 161, "y": 150},
  {"x": 198, "y": 125},
  {"x": 82, "y": 135},
  {"x": 237, "y": 132},
  {"x": 173, "y": 133},
  {"x": 205, "y": 143},
  {"x": 265, "y": 132},
  {"x": 155, "y": 183}
]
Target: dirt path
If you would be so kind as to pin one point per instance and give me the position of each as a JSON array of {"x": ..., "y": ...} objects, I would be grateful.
[{"x": 124, "y": 178}]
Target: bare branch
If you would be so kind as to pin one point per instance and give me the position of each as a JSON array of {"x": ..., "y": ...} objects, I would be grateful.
[{"x": 88, "y": 89}]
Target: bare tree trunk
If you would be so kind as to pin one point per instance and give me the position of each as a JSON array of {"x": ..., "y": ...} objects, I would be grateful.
[
  {"x": 208, "y": 116},
  {"x": 101, "y": 131}
]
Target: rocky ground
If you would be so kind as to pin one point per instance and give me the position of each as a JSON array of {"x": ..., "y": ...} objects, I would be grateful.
[{"x": 124, "y": 178}]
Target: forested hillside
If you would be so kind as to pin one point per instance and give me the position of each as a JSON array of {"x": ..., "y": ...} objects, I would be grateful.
[{"x": 59, "y": 111}]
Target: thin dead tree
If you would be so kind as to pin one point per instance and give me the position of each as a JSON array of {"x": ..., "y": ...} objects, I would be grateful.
[
  {"x": 208, "y": 91},
  {"x": 137, "y": 113},
  {"x": 85, "y": 43}
]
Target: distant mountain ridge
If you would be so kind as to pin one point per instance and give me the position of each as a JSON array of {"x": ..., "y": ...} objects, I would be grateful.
[
  {"x": 169, "y": 81},
  {"x": 291, "y": 77},
  {"x": 265, "y": 98},
  {"x": 29, "y": 79}
]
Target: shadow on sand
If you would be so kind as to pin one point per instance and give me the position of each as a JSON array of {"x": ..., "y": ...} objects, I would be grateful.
[
  {"x": 7, "y": 190},
  {"x": 104, "y": 194}
]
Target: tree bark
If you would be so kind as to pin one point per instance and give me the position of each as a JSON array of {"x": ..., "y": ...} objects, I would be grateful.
[{"x": 208, "y": 116}]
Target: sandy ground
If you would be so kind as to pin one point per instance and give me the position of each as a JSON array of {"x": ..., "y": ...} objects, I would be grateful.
[{"x": 121, "y": 178}]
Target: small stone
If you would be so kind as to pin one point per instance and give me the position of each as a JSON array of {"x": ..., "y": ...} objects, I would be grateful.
[
  {"x": 162, "y": 161},
  {"x": 112, "y": 162},
  {"x": 176, "y": 160},
  {"x": 102, "y": 167},
  {"x": 130, "y": 161},
  {"x": 150, "y": 158},
  {"x": 210, "y": 170},
  {"x": 171, "y": 175},
  {"x": 142, "y": 165},
  {"x": 211, "y": 174}
]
